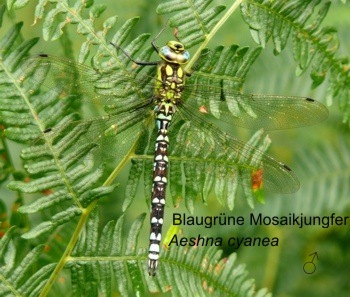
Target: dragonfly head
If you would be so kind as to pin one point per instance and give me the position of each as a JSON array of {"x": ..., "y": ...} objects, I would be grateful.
[{"x": 174, "y": 52}]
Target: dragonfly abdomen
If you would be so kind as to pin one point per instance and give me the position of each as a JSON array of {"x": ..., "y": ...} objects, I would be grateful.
[
  {"x": 168, "y": 88},
  {"x": 165, "y": 112}
]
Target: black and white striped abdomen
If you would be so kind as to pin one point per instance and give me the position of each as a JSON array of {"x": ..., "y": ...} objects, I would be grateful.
[{"x": 164, "y": 111}]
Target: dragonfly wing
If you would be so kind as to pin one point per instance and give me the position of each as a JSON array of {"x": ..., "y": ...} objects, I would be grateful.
[
  {"x": 255, "y": 111},
  {"x": 127, "y": 101},
  {"x": 106, "y": 134},
  {"x": 80, "y": 82},
  {"x": 206, "y": 143}
]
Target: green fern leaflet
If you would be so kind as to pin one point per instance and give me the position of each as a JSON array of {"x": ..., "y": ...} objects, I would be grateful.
[{"x": 135, "y": 102}]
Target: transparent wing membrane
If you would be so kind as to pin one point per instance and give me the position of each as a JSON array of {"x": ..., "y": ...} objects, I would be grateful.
[
  {"x": 217, "y": 98},
  {"x": 129, "y": 102},
  {"x": 84, "y": 83},
  {"x": 213, "y": 145},
  {"x": 107, "y": 133},
  {"x": 255, "y": 111}
]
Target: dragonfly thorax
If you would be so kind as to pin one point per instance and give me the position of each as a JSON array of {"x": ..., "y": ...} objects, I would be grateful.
[
  {"x": 174, "y": 52},
  {"x": 170, "y": 83}
]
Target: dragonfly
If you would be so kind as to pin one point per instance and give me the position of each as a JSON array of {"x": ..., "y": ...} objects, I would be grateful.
[{"x": 172, "y": 98}]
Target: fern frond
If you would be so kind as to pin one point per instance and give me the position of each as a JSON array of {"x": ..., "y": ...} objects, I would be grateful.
[
  {"x": 193, "y": 19},
  {"x": 59, "y": 14},
  {"x": 225, "y": 68},
  {"x": 19, "y": 279},
  {"x": 202, "y": 271},
  {"x": 16, "y": 4},
  {"x": 313, "y": 46},
  {"x": 326, "y": 174},
  {"x": 95, "y": 256},
  {"x": 200, "y": 164},
  {"x": 206, "y": 165},
  {"x": 24, "y": 114}
]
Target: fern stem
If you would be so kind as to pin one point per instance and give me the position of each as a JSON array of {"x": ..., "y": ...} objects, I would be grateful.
[
  {"x": 273, "y": 258},
  {"x": 212, "y": 33},
  {"x": 66, "y": 255},
  {"x": 121, "y": 165},
  {"x": 10, "y": 286}
]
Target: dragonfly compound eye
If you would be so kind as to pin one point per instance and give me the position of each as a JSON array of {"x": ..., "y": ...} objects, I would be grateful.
[{"x": 172, "y": 54}]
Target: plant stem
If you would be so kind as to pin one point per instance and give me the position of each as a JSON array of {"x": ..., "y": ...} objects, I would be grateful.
[
  {"x": 69, "y": 248},
  {"x": 85, "y": 214},
  {"x": 212, "y": 33},
  {"x": 273, "y": 258}
]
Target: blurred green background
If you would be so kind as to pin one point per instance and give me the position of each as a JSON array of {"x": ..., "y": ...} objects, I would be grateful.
[{"x": 318, "y": 154}]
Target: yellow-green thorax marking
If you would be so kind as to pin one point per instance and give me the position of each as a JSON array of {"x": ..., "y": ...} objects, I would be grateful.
[{"x": 169, "y": 86}]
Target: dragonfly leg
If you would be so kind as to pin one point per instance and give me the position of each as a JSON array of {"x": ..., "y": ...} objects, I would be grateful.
[{"x": 156, "y": 48}]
